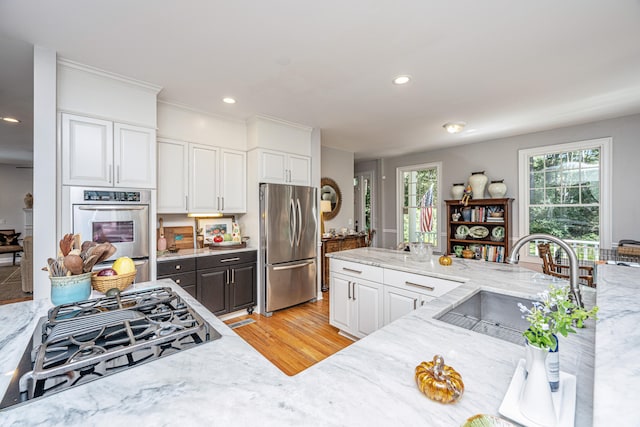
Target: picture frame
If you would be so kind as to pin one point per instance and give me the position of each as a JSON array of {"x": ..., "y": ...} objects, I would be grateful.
[{"x": 212, "y": 227}]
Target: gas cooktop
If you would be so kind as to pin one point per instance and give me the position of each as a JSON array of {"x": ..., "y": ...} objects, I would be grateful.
[{"x": 81, "y": 342}]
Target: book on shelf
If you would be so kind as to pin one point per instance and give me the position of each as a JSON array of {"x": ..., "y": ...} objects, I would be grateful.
[{"x": 499, "y": 220}]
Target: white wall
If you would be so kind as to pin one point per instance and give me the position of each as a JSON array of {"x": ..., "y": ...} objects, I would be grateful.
[
  {"x": 184, "y": 124},
  {"x": 16, "y": 183},
  {"x": 499, "y": 159},
  {"x": 338, "y": 165}
]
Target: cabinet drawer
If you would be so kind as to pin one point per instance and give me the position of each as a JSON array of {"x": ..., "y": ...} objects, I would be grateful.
[
  {"x": 166, "y": 268},
  {"x": 426, "y": 285},
  {"x": 182, "y": 279},
  {"x": 354, "y": 269},
  {"x": 234, "y": 258}
]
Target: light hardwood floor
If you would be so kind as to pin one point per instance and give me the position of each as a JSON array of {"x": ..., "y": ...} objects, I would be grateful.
[{"x": 295, "y": 338}]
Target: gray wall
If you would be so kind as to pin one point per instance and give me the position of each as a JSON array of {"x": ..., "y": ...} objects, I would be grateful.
[
  {"x": 338, "y": 165},
  {"x": 499, "y": 159}
]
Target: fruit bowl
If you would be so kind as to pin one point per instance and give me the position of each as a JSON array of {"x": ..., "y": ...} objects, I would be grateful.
[{"x": 104, "y": 283}]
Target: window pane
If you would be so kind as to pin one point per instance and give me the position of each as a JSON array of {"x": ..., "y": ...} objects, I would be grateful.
[
  {"x": 590, "y": 194},
  {"x": 579, "y": 223},
  {"x": 537, "y": 196},
  {"x": 552, "y": 177},
  {"x": 591, "y": 157}
]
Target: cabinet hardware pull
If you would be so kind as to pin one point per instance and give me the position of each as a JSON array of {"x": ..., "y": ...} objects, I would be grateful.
[
  {"x": 226, "y": 273},
  {"x": 233, "y": 275},
  {"x": 178, "y": 281},
  {"x": 178, "y": 266},
  {"x": 110, "y": 172},
  {"x": 349, "y": 290},
  {"x": 222, "y": 202},
  {"x": 111, "y": 208},
  {"x": 230, "y": 259},
  {"x": 351, "y": 270},
  {"x": 422, "y": 302},
  {"x": 354, "y": 290},
  {"x": 118, "y": 174},
  {"x": 186, "y": 203},
  {"x": 429, "y": 288},
  {"x": 415, "y": 303}
]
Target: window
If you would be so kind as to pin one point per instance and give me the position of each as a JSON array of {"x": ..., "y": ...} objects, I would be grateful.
[
  {"x": 417, "y": 184},
  {"x": 565, "y": 191}
]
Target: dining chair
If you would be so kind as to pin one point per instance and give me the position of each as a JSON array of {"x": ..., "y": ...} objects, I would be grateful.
[{"x": 552, "y": 268}]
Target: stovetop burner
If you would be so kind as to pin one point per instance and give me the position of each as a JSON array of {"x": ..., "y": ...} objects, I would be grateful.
[{"x": 77, "y": 343}]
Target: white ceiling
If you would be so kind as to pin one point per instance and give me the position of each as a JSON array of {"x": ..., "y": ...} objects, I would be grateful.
[{"x": 505, "y": 67}]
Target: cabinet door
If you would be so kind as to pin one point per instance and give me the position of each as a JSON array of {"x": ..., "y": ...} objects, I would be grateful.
[
  {"x": 203, "y": 179},
  {"x": 273, "y": 165},
  {"x": 134, "y": 156},
  {"x": 299, "y": 170},
  {"x": 398, "y": 302},
  {"x": 243, "y": 287},
  {"x": 173, "y": 164},
  {"x": 212, "y": 289},
  {"x": 233, "y": 181},
  {"x": 340, "y": 306},
  {"x": 367, "y": 298},
  {"x": 87, "y": 151}
]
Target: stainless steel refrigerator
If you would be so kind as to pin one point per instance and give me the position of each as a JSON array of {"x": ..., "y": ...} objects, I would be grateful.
[{"x": 288, "y": 233}]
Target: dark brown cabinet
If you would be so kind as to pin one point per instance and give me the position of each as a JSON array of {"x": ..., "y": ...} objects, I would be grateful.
[
  {"x": 227, "y": 283},
  {"x": 182, "y": 271},
  {"x": 336, "y": 244},
  {"x": 222, "y": 283}
]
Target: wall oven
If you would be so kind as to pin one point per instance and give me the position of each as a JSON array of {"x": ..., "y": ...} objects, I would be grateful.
[{"x": 120, "y": 217}]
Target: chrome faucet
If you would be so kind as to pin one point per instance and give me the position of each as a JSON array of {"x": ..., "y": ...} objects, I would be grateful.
[{"x": 573, "y": 261}]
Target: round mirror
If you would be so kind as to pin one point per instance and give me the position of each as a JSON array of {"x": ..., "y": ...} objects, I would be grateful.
[{"x": 329, "y": 191}]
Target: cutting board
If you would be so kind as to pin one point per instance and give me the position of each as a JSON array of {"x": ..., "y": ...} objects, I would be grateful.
[{"x": 182, "y": 237}]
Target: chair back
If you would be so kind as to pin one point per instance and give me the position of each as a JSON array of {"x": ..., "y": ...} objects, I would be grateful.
[{"x": 548, "y": 265}]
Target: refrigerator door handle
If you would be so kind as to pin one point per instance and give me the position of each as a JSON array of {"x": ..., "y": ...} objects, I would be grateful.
[
  {"x": 299, "y": 233},
  {"x": 292, "y": 222},
  {"x": 291, "y": 267}
]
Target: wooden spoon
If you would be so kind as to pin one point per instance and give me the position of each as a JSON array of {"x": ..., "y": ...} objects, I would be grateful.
[{"x": 74, "y": 264}]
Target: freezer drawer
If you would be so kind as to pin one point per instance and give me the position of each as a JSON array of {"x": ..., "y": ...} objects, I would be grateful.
[{"x": 289, "y": 284}]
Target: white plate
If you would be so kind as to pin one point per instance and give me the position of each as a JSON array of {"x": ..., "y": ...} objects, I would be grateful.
[
  {"x": 564, "y": 400},
  {"x": 498, "y": 232},
  {"x": 478, "y": 232},
  {"x": 462, "y": 230}
]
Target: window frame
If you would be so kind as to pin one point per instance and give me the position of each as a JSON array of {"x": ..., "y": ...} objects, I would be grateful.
[
  {"x": 605, "y": 214},
  {"x": 400, "y": 199}
]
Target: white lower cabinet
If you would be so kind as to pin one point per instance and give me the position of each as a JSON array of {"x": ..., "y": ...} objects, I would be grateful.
[
  {"x": 398, "y": 302},
  {"x": 356, "y": 305},
  {"x": 360, "y": 304}
]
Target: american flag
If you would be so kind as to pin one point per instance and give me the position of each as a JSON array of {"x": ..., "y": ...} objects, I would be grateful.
[{"x": 426, "y": 211}]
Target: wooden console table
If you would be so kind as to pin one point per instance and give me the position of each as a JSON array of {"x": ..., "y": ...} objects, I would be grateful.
[{"x": 335, "y": 244}]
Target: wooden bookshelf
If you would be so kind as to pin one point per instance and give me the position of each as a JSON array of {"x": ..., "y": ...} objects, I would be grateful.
[{"x": 491, "y": 249}]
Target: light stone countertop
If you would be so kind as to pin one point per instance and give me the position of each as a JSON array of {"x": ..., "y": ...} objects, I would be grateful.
[{"x": 371, "y": 382}]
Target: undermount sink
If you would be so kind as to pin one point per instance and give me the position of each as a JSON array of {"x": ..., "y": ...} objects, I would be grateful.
[{"x": 492, "y": 314}]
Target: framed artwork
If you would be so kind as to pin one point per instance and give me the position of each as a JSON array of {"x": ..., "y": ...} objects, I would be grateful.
[{"x": 215, "y": 229}]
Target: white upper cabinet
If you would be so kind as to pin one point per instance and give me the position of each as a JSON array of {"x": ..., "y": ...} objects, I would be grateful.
[
  {"x": 233, "y": 181},
  {"x": 173, "y": 176},
  {"x": 100, "y": 153},
  {"x": 203, "y": 179},
  {"x": 284, "y": 168},
  {"x": 135, "y": 156}
]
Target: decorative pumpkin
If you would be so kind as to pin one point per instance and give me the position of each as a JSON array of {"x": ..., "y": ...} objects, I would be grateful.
[
  {"x": 438, "y": 381},
  {"x": 445, "y": 260}
]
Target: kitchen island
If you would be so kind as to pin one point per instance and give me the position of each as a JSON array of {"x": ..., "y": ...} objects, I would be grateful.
[{"x": 227, "y": 382}]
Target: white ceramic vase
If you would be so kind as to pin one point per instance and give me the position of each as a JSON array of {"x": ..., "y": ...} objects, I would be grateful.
[
  {"x": 497, "y": 189},
  {"x": 478, "y": 182},
  {"x": 457, "y": 191},
  {"x": 536, "y": 402}
]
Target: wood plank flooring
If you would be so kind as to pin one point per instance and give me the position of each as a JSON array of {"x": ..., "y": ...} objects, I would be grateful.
[{"x": 295, "y": 338}]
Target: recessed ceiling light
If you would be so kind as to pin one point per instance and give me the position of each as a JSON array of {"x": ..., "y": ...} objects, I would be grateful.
[
  {"x": 228, "y": 100},
  {"x": 454, "y": 127},
  {"x": 401, "y": 80},
  {"x": 10, "y": 120}
]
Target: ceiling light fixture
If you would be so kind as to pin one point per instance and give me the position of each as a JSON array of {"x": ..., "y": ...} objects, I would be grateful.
[
  {"x": 10, "y": 120},
  {"x": 454, "y": 127},
  {"x": 401, "y": 80},
  {"x": 228, "y": 100}
]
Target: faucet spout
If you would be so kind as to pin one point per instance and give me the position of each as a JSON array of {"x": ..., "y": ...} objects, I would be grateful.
[{"x": 573, "y": 260}]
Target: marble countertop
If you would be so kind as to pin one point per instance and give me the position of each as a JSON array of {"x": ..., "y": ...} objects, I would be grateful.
[
  {"x": 190, "y": 253},
  {"x": 371, "y": 382}
]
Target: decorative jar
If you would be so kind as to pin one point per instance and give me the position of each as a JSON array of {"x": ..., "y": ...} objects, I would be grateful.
[
  {"x": 497, "y": 189},
  {"x": 457, "y": 191},
  {"x": 478, "y": 182}
]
